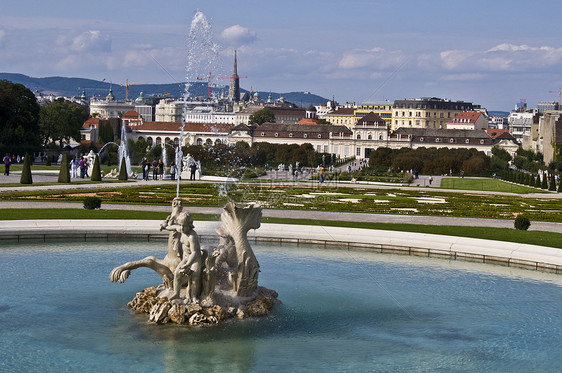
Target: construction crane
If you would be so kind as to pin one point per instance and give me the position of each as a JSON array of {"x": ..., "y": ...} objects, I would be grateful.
[
  {"x": 208, "y": 79},
  {"x": 126, "y": 85},
  {"x": 559, "y": 96}
]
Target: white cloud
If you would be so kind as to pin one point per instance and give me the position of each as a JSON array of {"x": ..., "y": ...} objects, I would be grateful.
[
  {"x": 375, "y": 58},
  {"x": 502, "y": 57},
  {"x": 91, "y": 41},
  {"x": 238, "y": 35},
  {"x": 2, "y": 37}
]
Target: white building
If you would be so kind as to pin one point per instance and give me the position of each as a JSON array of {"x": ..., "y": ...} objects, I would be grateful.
[{"x": 520, "y": 124}]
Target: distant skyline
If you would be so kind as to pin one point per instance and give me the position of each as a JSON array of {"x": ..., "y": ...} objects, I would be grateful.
[{"x": 491, "y": 53}]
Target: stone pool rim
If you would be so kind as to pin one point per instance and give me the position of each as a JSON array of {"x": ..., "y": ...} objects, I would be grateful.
[{"x": 511, "y": 254}]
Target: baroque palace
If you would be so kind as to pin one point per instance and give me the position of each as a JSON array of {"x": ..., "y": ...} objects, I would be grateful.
[{"x": 342, "y": 130}]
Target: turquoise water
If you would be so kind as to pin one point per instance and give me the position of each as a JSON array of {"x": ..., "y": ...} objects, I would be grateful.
[{"x": 341, "y": 311}]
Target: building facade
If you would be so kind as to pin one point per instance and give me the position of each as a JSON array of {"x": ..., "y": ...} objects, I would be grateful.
[{"x": 427, "y": 112}]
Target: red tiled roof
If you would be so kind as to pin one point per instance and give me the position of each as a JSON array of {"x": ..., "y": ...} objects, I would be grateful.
[
  {"x": 131, "y": 114},
  {"x": 308, "y": 121},
  {"x": 471, "y": 116},
  {"x": 91, "y": 123}
]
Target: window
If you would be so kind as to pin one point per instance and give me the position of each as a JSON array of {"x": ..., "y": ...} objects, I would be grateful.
[
  {"x": 290, "y": 135},
  {"x": 437, "y": 139},
  {"x": 305, "y": 135},
  {"x": 358, "y": 137},
  {"x": 482, "y": 142},
  {"x": 358, "y": 153},
  {"x": 369, "y": 137},
  {"x": 451, "y": 140},
  {"x": 263, "y": 134},
  {"x": 276, "y": 134},
  {"x": 421, "y": 139},
  {"x": 319, "y": 135},
  {"x": 467, "y": 141}
]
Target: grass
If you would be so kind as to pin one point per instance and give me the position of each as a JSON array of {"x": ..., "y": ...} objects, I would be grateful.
[
  {"x": 320, "y": 198},
  {"x": 484, "y": 184},
  {"x": 549, "y": 239}
]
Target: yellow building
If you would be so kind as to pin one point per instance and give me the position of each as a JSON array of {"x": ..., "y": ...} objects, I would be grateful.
[
  {"x": 383, "y": 109},
  {"x": 342, "y": 117},
  {"x": 427, "y": 112}
]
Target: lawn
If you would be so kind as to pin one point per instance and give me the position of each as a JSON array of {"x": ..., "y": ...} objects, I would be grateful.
[
  {"x": 491, "y": 185},
  {"x": 499, "y": 234},
  {"x": 319, "y": 198}
]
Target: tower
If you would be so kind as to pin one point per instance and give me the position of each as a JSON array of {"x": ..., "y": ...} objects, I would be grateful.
[{"x": 234, "y": 88}]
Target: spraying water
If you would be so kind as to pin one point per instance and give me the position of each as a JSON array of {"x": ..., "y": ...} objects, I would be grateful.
[
  {"x": 202, "y": 57},
  {"x": 123, "y": 152}
]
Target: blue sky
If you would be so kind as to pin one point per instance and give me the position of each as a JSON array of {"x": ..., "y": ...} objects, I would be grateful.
[{"x": 492, "y": 53}]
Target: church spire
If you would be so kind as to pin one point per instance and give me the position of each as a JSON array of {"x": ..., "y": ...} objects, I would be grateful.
[{"x": 234, "y": 88}]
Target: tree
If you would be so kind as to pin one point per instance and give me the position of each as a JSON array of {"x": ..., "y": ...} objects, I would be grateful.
[
  {"x": 105, "y": 132},
  {"x": 96, "y": 172},
  {"x": 552, "y": 186},
  {"x": 26, "y": 171},
  {"x": 61, "y": 121},
  {"x": 19, "y": 119},
  {"x": 262, "y": 116},
  {"x": 123, "y": 170},
  {"x": 64, "y": 173}
]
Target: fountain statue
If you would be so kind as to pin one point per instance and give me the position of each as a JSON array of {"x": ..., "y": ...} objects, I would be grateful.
[
  {"x": 189, "y": 166},
  {"x": 203, "y": 285}
]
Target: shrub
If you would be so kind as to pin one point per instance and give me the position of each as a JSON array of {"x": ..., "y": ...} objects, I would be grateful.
[
  {"x": 91, "y": 203},
  {"x": 96, "y": 172},
  {"x": 26, "y": 171},
  {"x": 123, "y": 170},
  {"x": 64, "y": 173},
  {"x": 552, "y": 185},
  {"x": 522, "y": 223}
]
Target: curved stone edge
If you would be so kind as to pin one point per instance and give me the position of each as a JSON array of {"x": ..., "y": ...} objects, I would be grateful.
[{"x": 420, "y": 244}]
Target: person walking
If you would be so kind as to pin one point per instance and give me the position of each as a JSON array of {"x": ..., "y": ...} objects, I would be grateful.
[
  {"x": 74, "y": 168},
  {"x": 154, "y": 169},
  {"x": 173, "y": 170},
  {"x": 160, "y": 169},
  {"x": 192, "y": 168},
  {"x": 7, "y": 162},
  {"x": 82, "y": 165},
  {"x": 144, "y": 166}
]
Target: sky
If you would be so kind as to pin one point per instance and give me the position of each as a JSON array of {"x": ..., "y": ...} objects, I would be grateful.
[{"x": 493, "y": 53}]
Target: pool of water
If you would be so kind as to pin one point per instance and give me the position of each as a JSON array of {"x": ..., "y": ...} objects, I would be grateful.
[{"x": 342, "y": 311}]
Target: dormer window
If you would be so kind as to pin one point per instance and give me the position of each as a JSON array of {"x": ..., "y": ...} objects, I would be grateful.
[
  {"x": 263, "y": 134},
  {"x": 437, "y": 139},
  {"x": 319, "y": 136},
  {"x": 276, "y": 134},
  {"x": 290, "y": 135},
  {"x": 305, "y": 135},
  {"x": 452, "y": 140}
]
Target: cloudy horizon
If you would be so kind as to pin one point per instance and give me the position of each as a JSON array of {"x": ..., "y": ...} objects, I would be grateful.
[{"x": 489, "y": 53}]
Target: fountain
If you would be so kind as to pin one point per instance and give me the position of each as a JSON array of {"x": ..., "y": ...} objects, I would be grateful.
[
  {"x": 123, "y": 151},
  {"x": 203, "y": 285}
]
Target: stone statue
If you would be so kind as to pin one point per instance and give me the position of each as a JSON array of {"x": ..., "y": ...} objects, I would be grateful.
[
  {"x": 203, "y": 285},
  {"x": 90, "y": 158},
  {"x": 164, "y": 267},
  {"x": 236, "y": 222},
  {"x": 190, "y": 268}
]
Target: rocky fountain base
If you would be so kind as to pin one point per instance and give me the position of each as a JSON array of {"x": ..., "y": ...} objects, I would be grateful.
[
  {"x": 202, "y": 286},
  {"x": 161, "y": 310}
]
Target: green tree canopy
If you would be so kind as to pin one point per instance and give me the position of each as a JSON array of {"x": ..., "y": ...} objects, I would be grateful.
[
  {"x": 262, "y": 116},
  {"x": 61, "y": 121},
  {"x": 19, "y": 119}
]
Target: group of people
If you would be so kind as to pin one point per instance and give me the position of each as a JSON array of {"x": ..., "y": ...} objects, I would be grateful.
[
  {"x": 79, "y": 164},
  {"x": 157, "y": 169}
]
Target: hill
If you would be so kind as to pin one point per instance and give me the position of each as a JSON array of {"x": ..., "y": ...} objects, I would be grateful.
[{"x": 63, "y": 86}]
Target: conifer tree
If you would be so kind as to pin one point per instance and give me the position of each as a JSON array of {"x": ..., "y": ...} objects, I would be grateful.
[
  {"x": 544, "y": 184},
  {"x": 26, "y": 171},
  {"x": 123, "y": 170},
  {"x": 560, "y": 186},
  {"x": 96, "y": 172},
  {"x": 64, "y": 173},
  {"x": 552, "y": 185}
]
